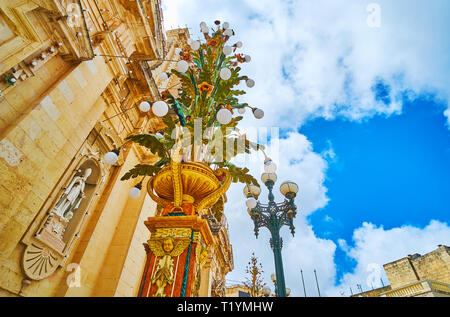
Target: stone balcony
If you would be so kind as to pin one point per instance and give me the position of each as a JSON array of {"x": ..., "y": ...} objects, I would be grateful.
[
  {"x": 213, "y": 224},
  {"x": 422, "y": 288}
]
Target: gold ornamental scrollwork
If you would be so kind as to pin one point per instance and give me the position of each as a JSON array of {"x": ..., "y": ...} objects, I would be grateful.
[{"x": 211, "y": 199}]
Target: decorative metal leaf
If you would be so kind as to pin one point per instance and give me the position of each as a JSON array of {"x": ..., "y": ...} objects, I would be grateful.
[
  {"x": 151, "y": 142},
  {"x": 239, "y": 175},
  {"x": 141, "y": 170}
]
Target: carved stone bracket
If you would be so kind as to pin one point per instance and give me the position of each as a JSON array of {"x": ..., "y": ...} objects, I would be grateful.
[
  {"x": 213, "y": 224},
  {"x": 39, "y": 261},
  {"x": 218, "y": 288}
]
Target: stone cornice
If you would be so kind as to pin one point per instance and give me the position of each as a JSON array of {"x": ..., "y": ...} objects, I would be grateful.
[{"x": 193, "y": 222}]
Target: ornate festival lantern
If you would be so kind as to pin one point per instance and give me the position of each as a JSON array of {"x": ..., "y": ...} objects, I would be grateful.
[{"x": 193, "y": 173}]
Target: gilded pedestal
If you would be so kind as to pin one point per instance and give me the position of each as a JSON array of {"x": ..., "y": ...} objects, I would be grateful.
[
  {"x": 175, "y": 251},
  {"x": 180, "y": 238}
]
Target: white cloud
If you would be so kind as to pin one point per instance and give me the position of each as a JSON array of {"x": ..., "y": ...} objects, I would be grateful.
[
  {"x": 320, "y": 59},
  {"x": 307, "y": 252},
  {"x": 329, "y": 55},
  {"x": 295, "y": 154},
  {"x": 343, "y": 245},
  {"x": 374, "y": 246},
  {"x": 447, "y": 114},
  {"x": 329, "y": 153},
  {"x": 297, "y": 162}
]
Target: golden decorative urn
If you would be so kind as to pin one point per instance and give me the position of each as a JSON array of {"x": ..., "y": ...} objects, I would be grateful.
[
  {"x": 200, "y": 123},
  {"x": 188, "y": 188}
]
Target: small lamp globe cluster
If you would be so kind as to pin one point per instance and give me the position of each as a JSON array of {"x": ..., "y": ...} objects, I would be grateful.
[
  {"x": 289, "y": 189},
  {"x": 273, "y": 277},
  {"x": 224, "y": 116},
  {"x": 159, "y": 108},
  {"x": 266, "y": 292}
]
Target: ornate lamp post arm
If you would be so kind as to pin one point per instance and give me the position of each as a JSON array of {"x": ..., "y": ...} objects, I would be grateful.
[{"x": 269, "y": 184}]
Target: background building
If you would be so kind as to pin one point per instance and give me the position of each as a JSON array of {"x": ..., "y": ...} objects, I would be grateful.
[
  {"x": 417, "y": 275},
  {"x": 237, "y": 290},
  {"x": 68, "y": 96}
]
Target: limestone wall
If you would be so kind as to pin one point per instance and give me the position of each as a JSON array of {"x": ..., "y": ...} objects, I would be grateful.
[
  {"x": 435, "y": 265},
  {"x": 36, "y": 151},
  {"x": 54, "y": 112}
]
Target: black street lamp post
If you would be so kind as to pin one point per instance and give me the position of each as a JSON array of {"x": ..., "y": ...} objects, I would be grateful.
[{"x": 273, "y": 216}]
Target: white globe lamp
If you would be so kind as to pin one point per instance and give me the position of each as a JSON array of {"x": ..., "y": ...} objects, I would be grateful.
[
  {"x": 160, "y": 108},
  {"x": 270, "y": 167},
  {"x": 225, "y": 73},
  {"x": 135, "y": 192},
  {"x": 251, "y": 203},
  {"x": 251, "y": 190},
  {"x": 289, "y": 189},
  {"x": 224, "y": 116},
  {"x": 182, "y": 66},
  {"x": 195, "y": 45},
  {"x": 258, "y": 113},
  {"x": 111, "y": 157},
  {"x": 266, "y": 177},
  {"x": 163, "y": 76},
  {"x": 227, "y": 50},
  {"x": 144, "y": 106},
  {"x": 228, "y": 32}
]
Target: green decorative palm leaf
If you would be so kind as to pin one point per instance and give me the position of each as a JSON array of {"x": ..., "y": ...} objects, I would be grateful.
[
  {"x": 192, "y": 103},
  {"x": 151, "y": 142},
  {"x": 141, "y": 170}
]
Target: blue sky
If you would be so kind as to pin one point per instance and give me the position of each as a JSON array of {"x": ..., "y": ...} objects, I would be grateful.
[
  {"x": 389, "y": 171},
  {"x": 362, "y": 111}
]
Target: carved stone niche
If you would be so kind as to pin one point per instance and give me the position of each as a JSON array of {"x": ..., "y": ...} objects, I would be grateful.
[{"x": 52, "y": 241}]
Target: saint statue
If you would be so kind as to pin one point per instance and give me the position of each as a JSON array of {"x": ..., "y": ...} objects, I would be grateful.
[{"x": 72, "y": 196}]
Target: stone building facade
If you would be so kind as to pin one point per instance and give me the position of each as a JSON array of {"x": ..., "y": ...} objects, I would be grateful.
[
  {"x": 417, "y": 275},
  {"x": 237, "y": 290},
  {"x": 72, "y": 75}
]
